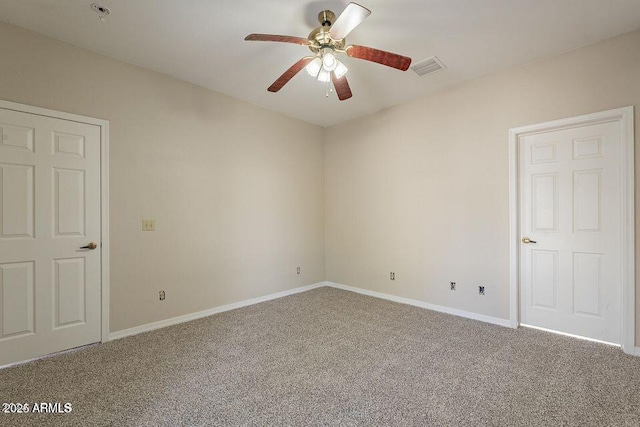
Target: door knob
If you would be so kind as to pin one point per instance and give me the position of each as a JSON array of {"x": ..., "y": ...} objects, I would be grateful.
[
  {"x": 90, "y": 246},
  {"x": 528, "y": 240}
]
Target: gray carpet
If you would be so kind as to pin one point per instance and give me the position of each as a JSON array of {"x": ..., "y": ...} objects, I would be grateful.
[{"x": 331, "y": 357}]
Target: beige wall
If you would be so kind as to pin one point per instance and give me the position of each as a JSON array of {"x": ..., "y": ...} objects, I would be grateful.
[
  {"x": 236, "y": 191},
  {"x": 240, "y": 194},
  {"x": 421, "y": 189}
]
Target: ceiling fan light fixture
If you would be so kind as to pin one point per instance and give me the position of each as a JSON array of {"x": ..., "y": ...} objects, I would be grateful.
[
  {"x": 340, "y": 70},
  {"x": 329, "y": 61},
  {"x": 324, "y": 76},
  {"x": 313, "y": 67}
]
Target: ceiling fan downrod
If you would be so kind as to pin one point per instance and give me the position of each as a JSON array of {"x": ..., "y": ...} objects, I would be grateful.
[{"x": 326, "y": 18}]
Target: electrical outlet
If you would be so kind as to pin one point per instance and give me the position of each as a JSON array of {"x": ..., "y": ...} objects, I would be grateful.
[
  {"x": 481, "y": 290},
  {"x": 392, "y": 276},
  {"x": 453, "y": 285},
  {"x": 162, "y": 295},
  {"x": 298, "y": 270},
  {"x": 148, "y": 225}
]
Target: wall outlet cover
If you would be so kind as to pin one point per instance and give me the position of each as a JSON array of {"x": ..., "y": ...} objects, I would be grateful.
[{"x": 148, "y": 225}]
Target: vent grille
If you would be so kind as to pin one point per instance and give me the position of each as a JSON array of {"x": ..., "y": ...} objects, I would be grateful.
[{"x": 428, "y": 66}]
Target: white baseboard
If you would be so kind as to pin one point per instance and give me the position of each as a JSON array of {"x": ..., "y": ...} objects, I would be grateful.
[
  {"x": 204, "y": 313},
  {"x": 422, "y": 304},
  {"x": 200, "y": 314}
]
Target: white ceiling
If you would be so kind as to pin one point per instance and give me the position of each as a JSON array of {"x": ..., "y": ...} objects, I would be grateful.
[{"x": 201, "y": 41}]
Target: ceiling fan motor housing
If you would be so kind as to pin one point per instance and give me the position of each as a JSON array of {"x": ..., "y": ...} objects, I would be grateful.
[{"x": 320, "y": 37}]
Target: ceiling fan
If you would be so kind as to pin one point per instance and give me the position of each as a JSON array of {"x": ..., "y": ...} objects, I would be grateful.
[{"x": 325, "y": 42}]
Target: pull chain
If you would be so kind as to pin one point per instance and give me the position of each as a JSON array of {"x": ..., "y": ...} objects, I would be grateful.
[{"x": 329, "y": 89}]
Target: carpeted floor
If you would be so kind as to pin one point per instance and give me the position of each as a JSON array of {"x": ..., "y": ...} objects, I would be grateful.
[{"x": 331, "y": 357}]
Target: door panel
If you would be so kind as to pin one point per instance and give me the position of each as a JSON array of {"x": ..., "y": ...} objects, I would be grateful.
[
  {"x": 17, "y": 195},
  {"x": 69, "y": 203},
  {"x": 16, "y": 282},
  {"x": 16, "y": 137},
  {"x": 544, "y": 202},
  {"x": 570, "y": 208},
  {"x": 587, "y": 199},
  {"x": 68, "y": 145},
  {"x": 69, "y": 292},
  {"x": 50, "y": 208},
  {"x": 544, "y": 277},
  {"x": 587, "y": 273}
]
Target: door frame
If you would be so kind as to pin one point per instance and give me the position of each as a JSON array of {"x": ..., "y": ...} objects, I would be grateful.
[
  {"x": 625, "y": 117},
  {"x": 104, "y": 195}
]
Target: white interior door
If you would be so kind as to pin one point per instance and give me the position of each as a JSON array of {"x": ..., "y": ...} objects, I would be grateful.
[
  {"x": 49, "y": 208},
  {"x": 570, "y": 272}
]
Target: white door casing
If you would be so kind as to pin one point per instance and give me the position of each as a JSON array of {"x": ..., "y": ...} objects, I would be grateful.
[
  {"x": 571, "y": 191},
  {"x": 51, "y": 295}
]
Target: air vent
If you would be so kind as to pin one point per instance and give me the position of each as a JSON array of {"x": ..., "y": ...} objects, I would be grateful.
[{"x": 428, "y": 66}]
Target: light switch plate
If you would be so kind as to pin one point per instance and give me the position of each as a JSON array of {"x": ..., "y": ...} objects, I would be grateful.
[{"x": 148, "y": 225}]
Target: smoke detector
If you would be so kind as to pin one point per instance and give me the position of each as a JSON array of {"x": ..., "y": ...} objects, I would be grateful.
[{"x": 102, "y": 11}]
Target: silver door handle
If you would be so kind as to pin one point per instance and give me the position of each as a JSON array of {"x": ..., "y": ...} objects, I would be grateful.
[{"x": 527, "y": 240}]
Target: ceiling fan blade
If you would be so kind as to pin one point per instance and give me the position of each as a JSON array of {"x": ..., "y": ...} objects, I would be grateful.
[
  {"x": 277, "y": 38},
  {"x": 380, "y": 56},
  {"x": 342, "y": 86},
  {"x": 350, "y": 18},
  {"x": 288, "y": 75}
]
